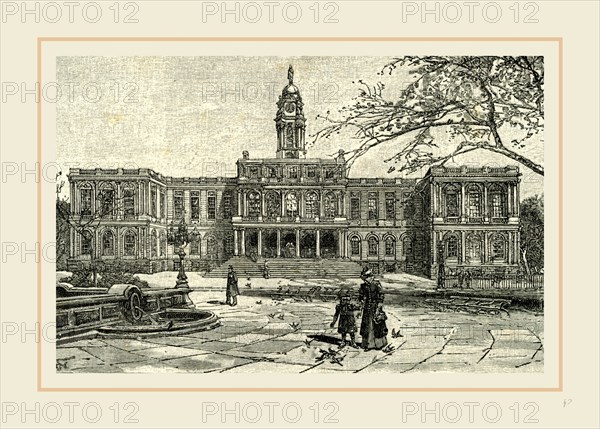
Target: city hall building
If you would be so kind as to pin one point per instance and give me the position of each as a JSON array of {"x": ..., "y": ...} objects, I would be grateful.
[{"x": 296, "y": 207}]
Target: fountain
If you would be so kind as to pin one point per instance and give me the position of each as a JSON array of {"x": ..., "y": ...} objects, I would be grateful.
[{"x": 127, "y": 311}]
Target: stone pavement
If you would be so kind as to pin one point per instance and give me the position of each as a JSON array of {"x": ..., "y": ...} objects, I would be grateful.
[{"x": 262, "y": 335}]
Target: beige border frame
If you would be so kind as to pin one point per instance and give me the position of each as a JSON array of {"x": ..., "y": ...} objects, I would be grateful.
[{"x": 557, "y": 40}]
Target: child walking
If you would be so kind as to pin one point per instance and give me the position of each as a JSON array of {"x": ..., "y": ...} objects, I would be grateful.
[{"x": 347, "y": 322}]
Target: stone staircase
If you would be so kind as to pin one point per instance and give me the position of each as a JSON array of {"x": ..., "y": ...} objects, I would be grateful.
[{"x": 290, "y": 268}]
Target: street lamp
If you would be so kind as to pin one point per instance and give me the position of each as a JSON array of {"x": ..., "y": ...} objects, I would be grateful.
[{"x": 179, "y": 237}]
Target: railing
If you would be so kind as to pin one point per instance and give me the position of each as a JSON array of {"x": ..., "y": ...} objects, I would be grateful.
[{"x": 494, "y": 281}]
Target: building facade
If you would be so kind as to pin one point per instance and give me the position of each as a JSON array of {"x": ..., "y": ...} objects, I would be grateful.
[{"x": 293, "y": 206}]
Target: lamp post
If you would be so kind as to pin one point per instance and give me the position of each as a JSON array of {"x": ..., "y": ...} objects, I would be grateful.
[{"x": 179, "y": 237}]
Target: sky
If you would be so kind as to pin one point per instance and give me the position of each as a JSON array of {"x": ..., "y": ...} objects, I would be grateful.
[{"x": 193, "y": 116}]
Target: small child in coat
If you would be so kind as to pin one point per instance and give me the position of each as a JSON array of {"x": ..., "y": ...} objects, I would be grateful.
[{"x": 347, "y": 322}]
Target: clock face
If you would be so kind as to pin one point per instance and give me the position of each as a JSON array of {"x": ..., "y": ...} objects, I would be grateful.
[{"x": 290, "y": 107}]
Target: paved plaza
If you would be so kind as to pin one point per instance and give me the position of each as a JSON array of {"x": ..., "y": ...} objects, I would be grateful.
[{"x": 264, "y": 335}]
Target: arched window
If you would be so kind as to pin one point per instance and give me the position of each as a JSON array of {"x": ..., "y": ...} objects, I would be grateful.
[
  {"x": 452, "y": 198},
  {"x": 474, "y": 249},
  {"x": 196, "y": 246},
  {"x": 106, "y": 197},
  {"x": 254, "y": 205},
  {"x": 129, "y": 241},
  {"x": 228, "y": 244},
  {"x": 497, "y": 199},
  {"x": 153, "y": 244},
  {"x": 129, "y": 201},
  {"x": 273, "y": 201},
  {"x": 211, "y": 247},
  {"x": 498, "y": 248},
  {"x": 291, "y": 205},
  {"x": 331, "y": 205},
  {"x": 86, "y": 243},
  {"x": 163, "y": 244},
  {"x": 373, "y": 246},
  {"x": 108, "y": 243},
  {"x": 312, "y": 205},
  {"x": 390, "y": 246},
  {"x": 452, "y": 247},
  {"x": 406, "y": 245},
  {"x": 85, "y": 195},
  {"x": 355, "y": 245},
  {"x": 474, "y": 201}
]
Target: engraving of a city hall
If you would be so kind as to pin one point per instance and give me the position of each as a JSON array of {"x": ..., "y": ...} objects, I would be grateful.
[{"x": 301, "y": 213}]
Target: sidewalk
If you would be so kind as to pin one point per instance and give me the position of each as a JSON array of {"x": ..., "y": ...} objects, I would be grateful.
[{"x": 262, "y": 335}]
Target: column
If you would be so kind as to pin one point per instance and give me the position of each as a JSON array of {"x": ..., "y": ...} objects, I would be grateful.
[
  {"x": 339, "y": 244},
  {"x": 262, "y": 203},
  {"x": 462, "y": 247},
  {"x": 485, "y": 247},
  {"x": 235, "y": 242},
  {"x": 510, "y": 247},
  {"x": 463, "y": 207},
  {"x": 486, "y": 213},
  {"x": 244, "y": 206},
  {"x": 243, "y": 243},
  {"x": 517, "y": 196},
  {"x": 259, "y": 241},
  {"x": 509, "y": 198},
  {"x": 318, "y": 240},
  {"x": 434, "y": 247},
  {"x": 434, "y": 191},
  {"x": 297, "y": 243},
  {"x": 239, "y": 203},
  {"x": 278, "y": 243},
  {"x": 282, "y": 203}
]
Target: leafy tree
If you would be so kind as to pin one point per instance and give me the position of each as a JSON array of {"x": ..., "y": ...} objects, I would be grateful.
[
  {"x": 532, "y": 233},
  {"x": 454, "y": 105}
]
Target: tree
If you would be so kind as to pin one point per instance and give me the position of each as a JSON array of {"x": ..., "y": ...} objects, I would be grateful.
[
  {"x": 532, "y": 233},
  {"x": 87, "y": 225},
  {"x": 454, "y": 105}
]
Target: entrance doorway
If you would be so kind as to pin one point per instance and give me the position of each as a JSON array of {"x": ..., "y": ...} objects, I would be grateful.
[
  {"x": 270, "y": 244},
  {"x": 288, "y": 244},
  {"x": 328, "y": 244},
  {"x": 308, "y": 245},
  {"x": 251, "y": 243}
]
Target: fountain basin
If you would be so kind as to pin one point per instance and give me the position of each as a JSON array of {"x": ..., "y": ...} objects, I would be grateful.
[{"x": 170, "y": 321}]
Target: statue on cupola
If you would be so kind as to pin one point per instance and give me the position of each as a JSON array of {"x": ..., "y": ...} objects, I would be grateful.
[{"x": 290, "y": 122}]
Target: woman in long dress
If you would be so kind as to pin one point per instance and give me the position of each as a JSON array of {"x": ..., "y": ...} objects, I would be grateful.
[{"x": 371, "y": 296}]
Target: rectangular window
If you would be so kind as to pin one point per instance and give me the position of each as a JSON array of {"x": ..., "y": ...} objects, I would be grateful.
[
  {"x": 227, "y": 205},
  {"x": 311, "y": 171},
  {"x": 253, "y": 172},
  {"x": 153, "y": 202},
  {"x": 178, "y": 204},
  {"x": 354, "y": 207},
  {"x": 86, "y": 202},
  {"x": 195, "y": 205},
  {"x": 212, "y": 205},
  {"x": 293, "y": 172},
  {"x": 163, "y": 203},
  {"x": 390, "y": 206},
  {"x": 330, "y": 173},
  {"x": 373, "y": 212}
]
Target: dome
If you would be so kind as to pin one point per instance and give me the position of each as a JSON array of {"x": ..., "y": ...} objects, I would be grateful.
[{"x": 290, "y": 89}]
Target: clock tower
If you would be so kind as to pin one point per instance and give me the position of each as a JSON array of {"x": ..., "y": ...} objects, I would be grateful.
[{"x": 290, "y": 122}]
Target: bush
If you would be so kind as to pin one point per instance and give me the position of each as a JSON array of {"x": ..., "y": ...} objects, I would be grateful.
[{"x": 107, "y": 276}]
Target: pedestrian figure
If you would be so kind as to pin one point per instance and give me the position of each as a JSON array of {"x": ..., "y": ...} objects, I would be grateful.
[
  {"x": 380, "y": 329},
  {"x": 347, "y": 322},
  {"x": 371, "y": 296},
  {"x": 232, "y": 287}
]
